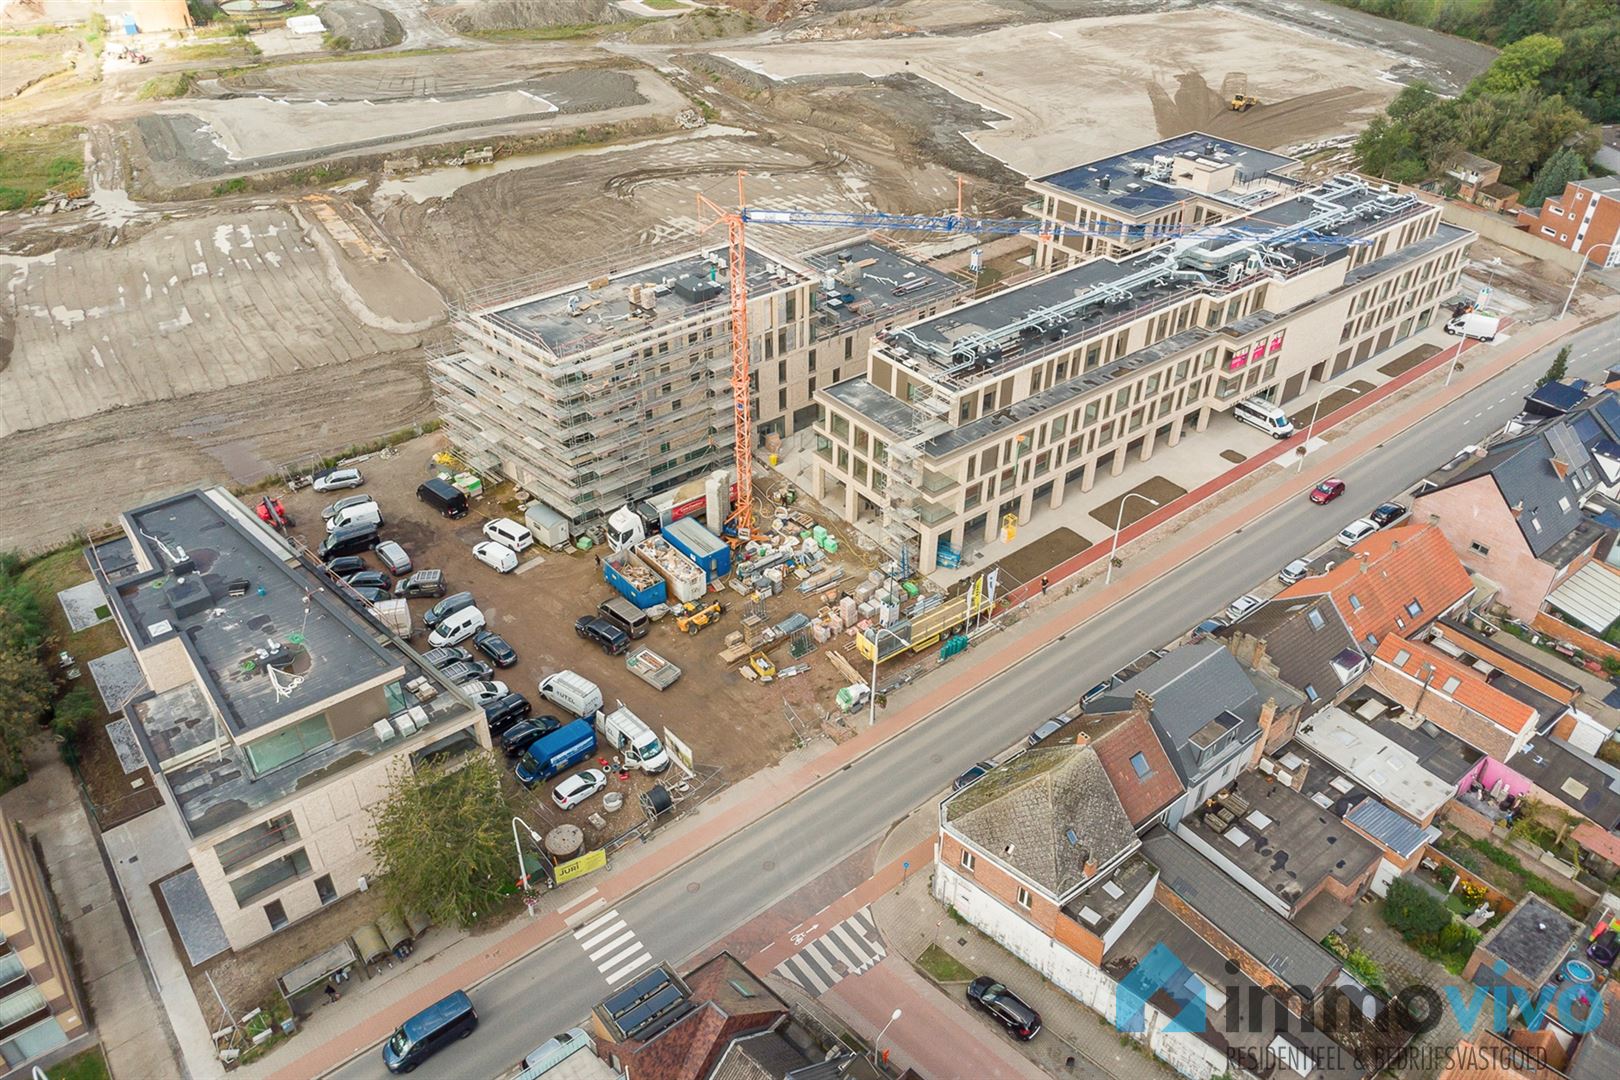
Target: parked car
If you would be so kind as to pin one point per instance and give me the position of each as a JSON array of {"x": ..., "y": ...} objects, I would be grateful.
[
  {"x": 1242, "y": 607},
  {"x": 344, "y": 503},
  {"x": 1294, "y": 571},
  {"x": 521, "y": 734},
  {"x": 446, "y": 607},
  {"x": 1387, "y": 514},
  {"x": 1355, "y": 532},
  {"x": 971, "y": 775},
  {"x": 555, "y": 1046},
  {"x": 1096, "y": 692},
  {"x": 503, "y": 712},
  {"x": 498, "y": 557},
  {"x": 446, "y": 654},
  {"x": 350, "y": 541},
  {"x": 1207, "y": 628},
  {"x": 457, "y": 627},
  {"x": 420, "y": 583},
  {"x": 465, "y": 671},
  {"x": 371, "y": 596},
  {"x": 368, "y": 579},
  {"x": 483, "y": 691},
  {"x": 577, "y": 788},
  {"x": 1327, "y": 491},
  {"x": 393, "y": 557},
  {"x": 1021, "y": 1021},
  {"x": 338, "y": 479},
  {"x": 508, "y": 533},
  {"x": 344, "y": 565},
  {"x": 612, "y": 640},
  {"x": 495, "y": 647},
  {"x": 1056, "y": 724}
]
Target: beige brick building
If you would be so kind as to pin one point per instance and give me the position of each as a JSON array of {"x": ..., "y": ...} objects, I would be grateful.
[
  {"x": 40, "y": 1004},
  {"x": 276, "y": 707}
]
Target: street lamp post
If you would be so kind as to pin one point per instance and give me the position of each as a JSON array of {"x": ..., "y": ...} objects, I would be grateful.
[
  {"x": 876, "y": 1043},
  {"x": 1119, "y": 523},
  {"x": 871, "y": 691},
  {"x": 1456, "y": 355},
  {"x": 1300, "y": 464},
  {"x": 523, "y": 874},
  {"x": 1579, "y": 270}
]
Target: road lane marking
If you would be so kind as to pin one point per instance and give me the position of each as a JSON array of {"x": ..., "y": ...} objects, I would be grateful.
[
  {"x": 848, "y": 948},
  {"x": 617, "y": 943},
  {"x": 628, "y": 970}
]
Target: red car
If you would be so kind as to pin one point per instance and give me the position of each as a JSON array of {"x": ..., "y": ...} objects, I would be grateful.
[{"x": 1327, "y": 491}]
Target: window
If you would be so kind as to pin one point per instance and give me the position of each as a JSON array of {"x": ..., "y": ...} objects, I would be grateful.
[
  {"x": 967, "y": 860},
  {"x": 1451, "y": 684},
  {"x": 289, "y": 744},
  {"x": 1355, "y": 602},
  {"x": 1478, "y": 548},
  {"x": 1535, "y": 523},
  {"x": 1413, "y": 608},
  {"x": 276, "y": 913},
  {"x": 255, "y": 841},
  {"x": 1402, "y": 658},
  {"x": 271, "y": 875},
  {"x": 1310, "y": 692},
  {"x": 1563, "y": 503},
  {"x": 1314, "y": 617},
  {"x": 1139, "y": 762},
  {"x": 325, "y": 889},
  {"x": 1024, "y": 899}
]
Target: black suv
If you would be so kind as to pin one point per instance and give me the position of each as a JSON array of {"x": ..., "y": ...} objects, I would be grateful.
[
  {"x": 612, "y": 640},
  {"x": 503, "y": 712},
  {"x": 495, "y": 647},
  {"x": 348, "y": 541},
  {"x": 446, "y": 608},
  {"x": 1021, "y": 1021},
  {"x": 521, "y": 734},
  {"x": 344, "y": 565},
  {"x": 368, "y": 579}
]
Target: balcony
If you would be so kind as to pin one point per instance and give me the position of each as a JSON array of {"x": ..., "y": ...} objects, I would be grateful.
[
  {"x": 931, "y": 513},
  {"x": 934, "y": 483}
]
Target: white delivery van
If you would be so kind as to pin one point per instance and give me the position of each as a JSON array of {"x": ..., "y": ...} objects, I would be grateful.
[
  {"x": 456, "y": 627},
  {"x": 366, "y": 513},
  {"x": 507, "y": 532},
  {"x": 1269, "y": 418},
  {"x": 572, "y": 692},
  {"x": 626, "y": 732}
]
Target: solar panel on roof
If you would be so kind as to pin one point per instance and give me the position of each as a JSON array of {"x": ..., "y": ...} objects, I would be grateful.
[
  {"x": 627, "y": 999},
  {"x": 654, "y": 1014},
  {"x": 1609, "y": 409}
]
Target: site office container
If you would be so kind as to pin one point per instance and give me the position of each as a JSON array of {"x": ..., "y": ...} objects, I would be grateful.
[{"x": 697, "y": 543}]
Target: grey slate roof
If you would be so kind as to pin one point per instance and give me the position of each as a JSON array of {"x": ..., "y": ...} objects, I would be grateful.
[
  {"x": 1597, "y": 1056},
  {"x": 1273, "y": 941},
  {"x": 1304, "y": 648},
  {"x": 1585, "y": 783},
  {"x": 1024, "y": 812},
  {"x": 1395, "y": 831},
  {"x": 1533, "y": 938},
  {"x": 1524, "y": 475}
]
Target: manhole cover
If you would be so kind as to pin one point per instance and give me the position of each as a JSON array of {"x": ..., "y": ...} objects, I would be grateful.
[
  {"x": 770, "y": 864},
  {"x": 692, "y": 886},
  {"x": 935, "y": 758}
]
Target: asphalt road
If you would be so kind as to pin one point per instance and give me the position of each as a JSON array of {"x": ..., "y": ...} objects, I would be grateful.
[{"x": 554, "y": 987}]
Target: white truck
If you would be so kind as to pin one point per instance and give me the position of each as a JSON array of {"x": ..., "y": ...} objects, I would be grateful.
[
  {"x": 634, "y": 741},
  {"x": 1475, "y": 325}
]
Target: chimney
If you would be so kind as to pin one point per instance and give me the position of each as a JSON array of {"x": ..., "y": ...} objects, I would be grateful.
[
  {"x": 1434, "y": 519},
  {"x": 1363, "y": 559},
  {"x": 1273, "y": 732},
  {"x": 1091, "y": 868},
  {"x": 1082, "y": 739},
  {"x": 1142, "y": 702}
]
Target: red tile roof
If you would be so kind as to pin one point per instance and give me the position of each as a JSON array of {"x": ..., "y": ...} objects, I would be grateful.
[
  {"x": 1391, "y": 568},
  {"x": 1141, "y": 796},
  {"x": 1605, "y": 845},
  {"x": 1471, "y": 692}
]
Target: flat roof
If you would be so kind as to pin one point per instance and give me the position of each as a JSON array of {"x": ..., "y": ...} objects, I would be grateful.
[
  {"x": 1533, "y": 938},
  {"x": 1099, "y": 907},
  {"x": 1280, "y": 839},
  {"x": 1376, "y": 761},
  {"x": 873, "y": 282},
  {"x": 1131, "y": 185},
  {"x": 244, "y": 607},
  {"x": 1340, "y": 795},
  {"x": 1436, "y": 749},
  {"x": 602, "y": 309}
]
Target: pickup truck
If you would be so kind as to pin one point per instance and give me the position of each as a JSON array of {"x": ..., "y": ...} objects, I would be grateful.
[{"x": 652, "y": 668}]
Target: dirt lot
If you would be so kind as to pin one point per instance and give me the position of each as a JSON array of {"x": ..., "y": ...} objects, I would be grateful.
[{"x": 727, "y": 720}]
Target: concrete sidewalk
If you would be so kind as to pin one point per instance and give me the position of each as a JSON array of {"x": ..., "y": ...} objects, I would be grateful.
[{"x": 753, "y": 798}]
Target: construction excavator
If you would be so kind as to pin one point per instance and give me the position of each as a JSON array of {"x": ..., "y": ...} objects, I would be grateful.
[{"x": 1243, "y": 102}]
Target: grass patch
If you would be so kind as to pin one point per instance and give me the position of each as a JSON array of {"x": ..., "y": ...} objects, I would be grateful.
[
  {"x": 90, "y": 1065},
  {"x": 665, "y": 5},
  {"x": 34, "y": 161},
  {"x": 234, "y": 48},
  {"x": 49, "y": 575},
  {"x": 233, "y": 186},
  {"x": 942, "y": 967},
  {"x": 165, "y": 86}
]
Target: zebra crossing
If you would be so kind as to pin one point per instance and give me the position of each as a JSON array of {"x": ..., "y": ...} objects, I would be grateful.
[
  {"x": 849, "y": 948},
  {"x": 612, "y": 946}
]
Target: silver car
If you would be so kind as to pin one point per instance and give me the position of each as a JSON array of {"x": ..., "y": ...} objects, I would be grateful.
[
  {"x": 484, "y": 691},
  {"x": 343, "y": 504},
  {"x": 338, "y": 479},
  {"x": 395, "y": 559}
]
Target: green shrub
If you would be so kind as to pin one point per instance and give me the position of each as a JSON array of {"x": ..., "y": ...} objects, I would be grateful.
[
  {"x": 71, "y": 719},
  {"x": 1414, "y": 911}
]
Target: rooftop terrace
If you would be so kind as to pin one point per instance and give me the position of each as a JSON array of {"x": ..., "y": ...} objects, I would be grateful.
[
  {"x": 583, "y": 315},
  {"x": 1134, "y": 183}
]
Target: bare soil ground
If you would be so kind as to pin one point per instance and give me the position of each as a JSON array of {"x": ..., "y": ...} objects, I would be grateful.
[{"x": 1157, "y": 488}]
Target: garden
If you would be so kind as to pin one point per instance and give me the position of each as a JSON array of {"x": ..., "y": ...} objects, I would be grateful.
[{"x": 1428, "y": 924}]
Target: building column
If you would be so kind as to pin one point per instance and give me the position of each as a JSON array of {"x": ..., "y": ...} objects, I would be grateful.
[
  {"x": 1175, "y": 429},
  {"x": 851, "y": 500},
  {"x": 1089, "y": 477},
  {"x": 1147, "y": 443},
  {"x": 1058, "y": 484},
  {"x": 818, "y": 479},
  {"x": 1119, "y": 460},
  {"x": 1203, "y": 418},
  {"x": 928, "y": 557},
  {"x": 990, "y": 530}
]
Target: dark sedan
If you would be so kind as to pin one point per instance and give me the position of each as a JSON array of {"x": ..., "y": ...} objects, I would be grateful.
[
  {"x": 1021, "y": 1021},
  {"x": 520, "y": 735},
  {"x": 369, "y": 579},
  {"x": 495, "y": 647},
  {"x": 1387, "y": 514},
  {"x": 971, "y": 775}
]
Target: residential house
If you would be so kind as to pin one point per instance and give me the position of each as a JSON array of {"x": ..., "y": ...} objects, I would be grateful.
[
  {"x": 41, "y": 1008},
  {"x": 1378, "y": 763},
  {"x": 1553, "y": 771},
  {"x": 1479, "y": 181},
  {"x": 1513, "y": 513},
  {"x": 1525, "y": 949},
  {"x": 1211, "y": 715},
  {"x": 1303, "y": 642},
  {"x": 1498, "y": 717},
  {"x": 1585, "y": 218},
  {"x": 1597, "y": 1055},
  {"x": 1395, "y": 582},
  {"x": 1134, "y": 759}
]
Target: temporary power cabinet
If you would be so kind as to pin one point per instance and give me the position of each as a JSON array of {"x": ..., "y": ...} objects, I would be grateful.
[
  {"x": 549, "y": 527},
  {"x": 700, "y": 545}
]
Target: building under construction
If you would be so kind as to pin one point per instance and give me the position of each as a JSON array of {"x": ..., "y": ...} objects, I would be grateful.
[
  {"x": 996, "y": 407},
  {"x": 594, "y": 391}
]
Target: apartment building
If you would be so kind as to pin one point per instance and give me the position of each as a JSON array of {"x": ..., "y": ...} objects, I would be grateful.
[
  {"x": 1131, "y": 201},
  {"x": 989, "y": 409},
  {"x": 593, "y": 392},
  {"x": 40, "y": 1006},
  {"x": 1586, "y": 218},
  {"x": 275, "y": 708}
]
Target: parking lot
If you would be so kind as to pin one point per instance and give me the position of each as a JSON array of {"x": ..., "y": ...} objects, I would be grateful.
[{"x": 729, "y": 722}]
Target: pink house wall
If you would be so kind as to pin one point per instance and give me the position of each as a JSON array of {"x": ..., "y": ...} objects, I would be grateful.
[
  {"x": 1488, "y": 771},
  {"x": 1475, "y": 513}
]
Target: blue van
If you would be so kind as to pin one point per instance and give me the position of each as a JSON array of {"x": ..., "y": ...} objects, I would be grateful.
[
  {"x": 430, "y": 1031},
  {"x": 562, "y": 749}
]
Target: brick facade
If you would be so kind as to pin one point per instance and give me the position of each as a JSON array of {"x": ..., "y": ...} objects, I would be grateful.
[
  {"x": 1042, "y": 911},
  {"x": 1485, "y": 535},
  {"x": 1446, "y": 714},
  {"x": 1585, "y": 218}
]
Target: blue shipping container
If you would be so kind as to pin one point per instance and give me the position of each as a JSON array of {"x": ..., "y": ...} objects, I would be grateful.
[
  {"x": 655, "y": 593},
  {"x": 690, "y": 538},
  {"x": 561, "y": 750}
]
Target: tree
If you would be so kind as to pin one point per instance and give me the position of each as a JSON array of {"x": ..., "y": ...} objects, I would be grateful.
[
  {"x": 22, "y": 624},
  {"x": 70, "y": 718},
  {"x": 25, "y": 694},
  {"x": 1414, "y": 911},
  {"x": 443, "y": 838},
  {"x": 1564, "y": 166},
  {"x": 1555, "y": 373},
  {"x": 1519, "y": 66}
]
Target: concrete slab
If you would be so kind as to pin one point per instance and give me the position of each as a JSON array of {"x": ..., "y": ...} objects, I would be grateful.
[
  {"x": 85, "y": 605},
  {"x": 200, "y": 932},
  {"x": 122, "y": 735},
  {"x": 118, "y": 679}
]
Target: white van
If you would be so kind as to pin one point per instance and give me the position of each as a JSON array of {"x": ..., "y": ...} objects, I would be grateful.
[
  {"x": 456, "y": 627},
  {"x": 366, "y": 513},
  {"x": 507, "y": 532},
  {"x": 1269, "y": 418},
  {"x": 625, "y": 732},
  {"x": 572, "y": 692}
]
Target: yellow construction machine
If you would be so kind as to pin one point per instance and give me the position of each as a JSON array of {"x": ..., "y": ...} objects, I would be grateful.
[
  {"x": 695, "y": 617},
  {"x": 1243, "y": 102}
]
